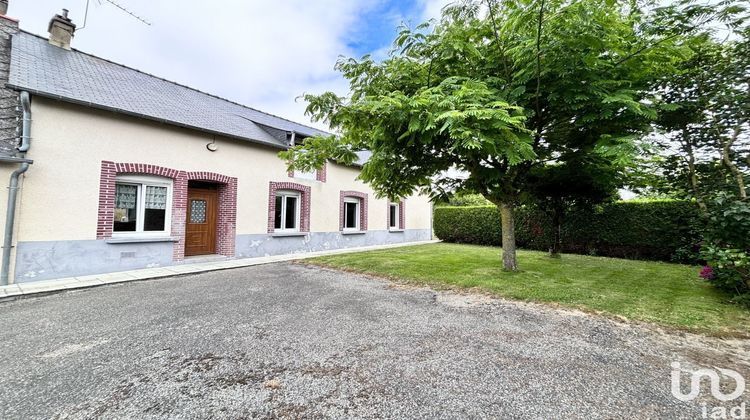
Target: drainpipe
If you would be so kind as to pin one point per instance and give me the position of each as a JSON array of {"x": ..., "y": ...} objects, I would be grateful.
[{"x": 10, "y": 214}]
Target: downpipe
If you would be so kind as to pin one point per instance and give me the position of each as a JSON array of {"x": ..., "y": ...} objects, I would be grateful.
[
  {"x": 10, "y": 217},
  {"x": 10, "y": 214}
]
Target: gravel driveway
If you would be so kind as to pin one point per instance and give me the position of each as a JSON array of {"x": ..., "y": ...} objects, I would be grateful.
[{"x": 291, "y": 341}]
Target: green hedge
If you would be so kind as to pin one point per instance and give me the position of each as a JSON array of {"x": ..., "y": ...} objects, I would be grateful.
[{"x": 654, "y": 230}]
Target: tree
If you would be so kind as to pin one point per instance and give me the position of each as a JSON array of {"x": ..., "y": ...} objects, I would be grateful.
[
  {"x": 579, "y": 183},
  {"x": 705, "y": 137},
  {"x": 705, "y": 132},
  {"x": 494, "y": 91}
]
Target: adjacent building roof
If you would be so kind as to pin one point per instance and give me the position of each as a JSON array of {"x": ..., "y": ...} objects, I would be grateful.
[{"x": 77, "y": 77}]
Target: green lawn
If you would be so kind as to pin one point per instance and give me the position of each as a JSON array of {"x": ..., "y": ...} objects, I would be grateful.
[{"x": 667, "y": 294}]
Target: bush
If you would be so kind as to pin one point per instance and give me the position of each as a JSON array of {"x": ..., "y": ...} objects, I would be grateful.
[
  {"x": 467, "y": 200},
  {"x": 727, "y": 247},
  {"x": 653, "y": 230},
  {"x": 471, "y": 225}
]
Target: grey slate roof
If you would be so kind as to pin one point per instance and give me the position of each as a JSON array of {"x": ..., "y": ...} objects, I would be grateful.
[{"x": 77, "y": 77}]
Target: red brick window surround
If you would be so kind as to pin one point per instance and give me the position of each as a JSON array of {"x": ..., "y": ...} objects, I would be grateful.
[
  {"x": 303, "y": 190},
  {"x": 320, "y": 175},
  {"x": 362, "y": 197},
  {"x": 401, "y": 219},
  {"x": 227, "y": 213}
]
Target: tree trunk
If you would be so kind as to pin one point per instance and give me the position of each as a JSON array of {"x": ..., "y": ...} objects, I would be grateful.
[
  {"x": 693, "y": 175},
  {"x": 555, "y": 249},
  {"x": 726, "y": 151},
  {"x": 509, "y": 237}
]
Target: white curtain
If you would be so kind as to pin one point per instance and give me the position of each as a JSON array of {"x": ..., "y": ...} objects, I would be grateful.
[
  {"x": 156, "y": 197},
  {"x": 125, "y": 196}
]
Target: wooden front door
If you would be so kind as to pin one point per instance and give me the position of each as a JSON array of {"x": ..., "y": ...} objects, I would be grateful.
[{"x": 200, "y": 232}]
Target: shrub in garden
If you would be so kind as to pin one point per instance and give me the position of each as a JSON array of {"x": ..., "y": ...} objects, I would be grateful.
[
  {"x": 727, "y": 247},
  {"x": 665, "y": 230},
  {"x": 466, "y": 200}
]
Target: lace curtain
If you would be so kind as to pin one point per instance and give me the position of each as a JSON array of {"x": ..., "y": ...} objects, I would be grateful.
[
  {"x": 156, "y": 198},
  {"x": 125, "y": 196}
]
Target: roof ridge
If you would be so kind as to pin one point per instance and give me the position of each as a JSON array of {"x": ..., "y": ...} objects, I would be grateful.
[{"x": 179, "y": 84}]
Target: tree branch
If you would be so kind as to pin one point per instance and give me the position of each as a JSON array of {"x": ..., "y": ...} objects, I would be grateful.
[
  {"x": 693, "y": 177},
  {"x": 429, "y": 74},
  {"x": 497, "y": 38},
  {"x": 663, "y": 40},
  {"x": 539, "y": 72},
  {"x": 726, "y": 149}
]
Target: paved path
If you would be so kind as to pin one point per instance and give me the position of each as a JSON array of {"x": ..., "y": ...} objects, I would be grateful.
[
  {"x": 188, "y": 266},
  {"x": 285, "y": 340}
]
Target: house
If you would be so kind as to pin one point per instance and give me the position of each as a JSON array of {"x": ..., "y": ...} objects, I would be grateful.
[{"x": 112, "y": 169}]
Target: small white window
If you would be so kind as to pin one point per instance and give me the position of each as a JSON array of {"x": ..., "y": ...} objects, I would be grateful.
[
  {"x": 287, "y": 211},
  {"x": 312, "y": 175},
  {"x": 143, "y": 206},
  {"x": 393, "y": 216},
  {"x": 351, "y": 213}
]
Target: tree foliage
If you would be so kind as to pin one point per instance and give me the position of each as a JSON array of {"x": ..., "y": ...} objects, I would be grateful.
[
  {"x": 577, "y": 184},
  {"x": 495, "y": 91},
  {"x": 704, "y": 127},
  {"x": 704, "y": 136}
]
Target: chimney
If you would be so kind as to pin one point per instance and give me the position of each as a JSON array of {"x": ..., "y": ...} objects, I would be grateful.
[
  {"x": 3, "y": 7},
  {"x": 61, "y": 30}
]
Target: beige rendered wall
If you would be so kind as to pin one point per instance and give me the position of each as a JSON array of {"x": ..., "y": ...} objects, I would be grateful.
[{"x": 60, "y": 191}]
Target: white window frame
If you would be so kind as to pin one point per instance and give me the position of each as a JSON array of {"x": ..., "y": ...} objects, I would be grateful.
[
  {"x": 142, "y": 181},
  {"x": 393, "y": 222},
  {"x": 358, "y": 213},
  {"x": 284, "y": 194},
  {"x": 310, "y": 176}
]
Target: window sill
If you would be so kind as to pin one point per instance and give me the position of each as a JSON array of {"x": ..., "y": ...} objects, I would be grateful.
[
  {"x": 140, "y": 239},
  {"x": 396, "y": 230},
  {"x": 288, "y": 234},
  {"x": 353, "y": 232}
]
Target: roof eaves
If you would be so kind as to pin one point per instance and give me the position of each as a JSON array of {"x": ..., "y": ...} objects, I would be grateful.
[
  {"x": 143, "y": 116},
  {"x": 313, "y": 129}
]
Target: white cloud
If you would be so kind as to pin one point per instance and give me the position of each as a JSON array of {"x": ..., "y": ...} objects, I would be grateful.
[
  {"x": 256, "y": 52},
  {"x": 432, "y": 8}
]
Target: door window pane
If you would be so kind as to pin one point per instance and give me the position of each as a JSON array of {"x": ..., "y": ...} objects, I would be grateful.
[
  {"x": 290, "y": 218},
  {"x": 197, "y": 211},
  {"x": 126, "y": 212},
  {"x": 351, "y": 215}
]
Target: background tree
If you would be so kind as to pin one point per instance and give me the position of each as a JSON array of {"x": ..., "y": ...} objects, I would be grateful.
[
  {"x": 705, "y": 136},
  {"x": 494, "y": 91},
  {"x": 704, "y": 141},
  {"x": 579, "y": 183}
]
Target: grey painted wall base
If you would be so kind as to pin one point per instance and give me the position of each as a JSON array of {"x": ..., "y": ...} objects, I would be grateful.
[
  {"x": 56, "y": 259},
  {"x": 46, "y": 260},
  {"x": 249, "y": 246}
]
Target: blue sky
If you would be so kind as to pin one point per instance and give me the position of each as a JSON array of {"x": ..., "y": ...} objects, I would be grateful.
[
  {"x": 260, "y": 53},
  {"x": 382, "y": 21}
]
